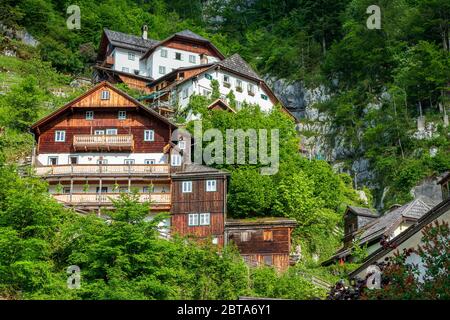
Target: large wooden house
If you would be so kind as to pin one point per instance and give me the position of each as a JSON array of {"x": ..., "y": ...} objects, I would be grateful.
[{"x": 105, "y": 142}]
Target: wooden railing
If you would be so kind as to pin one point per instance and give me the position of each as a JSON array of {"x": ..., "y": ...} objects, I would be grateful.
[
  {"x": 92, "y": 141},
  {"x": 103, "y": 169},
  {"x": 105, "y": 198}
]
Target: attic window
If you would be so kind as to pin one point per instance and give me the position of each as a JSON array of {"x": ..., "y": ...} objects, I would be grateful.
[{"x": 105, "y": 95}]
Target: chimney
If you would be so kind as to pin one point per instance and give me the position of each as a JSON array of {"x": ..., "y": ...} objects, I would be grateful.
[{"x": 144, "y": 31}]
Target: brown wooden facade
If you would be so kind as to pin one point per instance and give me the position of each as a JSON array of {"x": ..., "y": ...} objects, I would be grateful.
[{"x": 262, "y": 241}]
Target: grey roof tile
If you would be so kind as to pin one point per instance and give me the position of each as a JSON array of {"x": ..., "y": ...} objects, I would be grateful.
[
  {"x": 190, "y": 34},
  {"x": 236, "y": 63},
  {"x": 129, "y": 41}
]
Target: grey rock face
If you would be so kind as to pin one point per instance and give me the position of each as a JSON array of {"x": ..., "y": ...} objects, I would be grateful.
[{"x": 428, "y": 188}]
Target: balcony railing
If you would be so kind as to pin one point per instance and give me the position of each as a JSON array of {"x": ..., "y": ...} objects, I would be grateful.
[
  {"x": 103, "y": 169},
  {"x": 103, "y": 142},
  {"x": 105, "y": 198}
]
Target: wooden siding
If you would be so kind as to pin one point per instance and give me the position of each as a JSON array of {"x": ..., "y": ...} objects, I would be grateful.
[
  {"x": 135, "y": 83},
  {"x": 199, "y": 201},
  {"x": 279, "y": 261},
  {"x": 255, "y": 244},
  {"x": 191, "y": 47},
  {"x": 74, "y": 123},
  {"x": 94, "y": 99}
]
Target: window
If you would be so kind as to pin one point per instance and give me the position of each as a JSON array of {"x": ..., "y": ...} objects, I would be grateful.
[
  {"x": 267, "y": 235},
  {"x": 185, "y": 93},
  {"x": 122, "y": 115},
  {"x": 66, "y": 190},
  {"x": 73, "y": 159},
  {"x": 102, "y": 161},
  {"x": 125, "y": 69},
  {"x": 164, "y": 53},
  {"x": 123, "y": 189},
  {"x": 245, "y": 236},
  {"x": 192, "y": 58},
  {"x": 89, "y": 115},
  {"x": 176, "y": 160},
  {"x": 60, "y": 135},
  {"x": 99, "y": 132},
  {"x": 187, "y": 186},
  {"x": 268, "y": 260},
  {"x": 226, "y": 79},
  {"x": 182, "y": 145},
  {"x": 208, "y": 76},
  {"x": 238, "y": 84},
  {"x": 111, "y": 132},
  {"x": 178, "y": 56},
  {"x": 263, "y": 96},
  {"x": 193, "y": 219},
  {"x": 204, "y": 219},
  {"x": 149, "y": 161},
  {"x": 105, "y": 95},
  {"x": 149, "y": 135},
  {"x": 128, "y": 161},
  {"x": 148, "y": 189},
  {"x": 162, "y": 70},
  {"x": 131, "y": 56},
  {"x": 251, "y": 89},
  {"x": 52, "y": 161},
  {"x": 211, "y": 185}
]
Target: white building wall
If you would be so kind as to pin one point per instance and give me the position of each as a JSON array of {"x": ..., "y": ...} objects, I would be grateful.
[
  {"x": 203, "y": 85},
  {"x": 112, "y": 158},
  {"x": 121, "y": 61},
  {"x": 155, "y": 60},
  {"x": 79, "y": 188}
]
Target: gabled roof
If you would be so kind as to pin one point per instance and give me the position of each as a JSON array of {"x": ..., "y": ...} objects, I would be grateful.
[
  {"x": 360, "y": 211},
  {"x": 187, "y": 35},
  {"x": 61, "y": 110},
  {"x": 390, "y": 220},
  {"x": 426, "y": 219},
  {"x": 129, "y": 41},
  {"x": 236, "y": 63},
  {"x": 194, "y": 169},
  {"x": 222, "y": 104}
]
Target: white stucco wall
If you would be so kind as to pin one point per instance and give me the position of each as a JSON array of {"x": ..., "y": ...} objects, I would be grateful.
[
  {"x": 112, "y": 158},
  {"x": 154, "y": 61},
  {"x": 121, "y": 60}
]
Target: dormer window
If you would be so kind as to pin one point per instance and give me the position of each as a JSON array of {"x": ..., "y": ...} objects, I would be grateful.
[{"x": 105, "y": 95}]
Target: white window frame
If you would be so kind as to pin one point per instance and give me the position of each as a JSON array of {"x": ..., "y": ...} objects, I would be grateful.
[
  {"x": 204, "y": 219},
  {"x": 226, "y": 77},
  {"x": 185, "y": 93},
  {"x": 131, "y": 56},
  {"x": 104, "y": 95},
  {"x": 239, "y": 83},
  {"x": 182, "y": 145},
  {"x": 60, "y": 135},
  {"x": 122, "y": 115},
  {"x": 149, "y": 161},
  {"x": 49, "y": 162},
  {"x": 175, "y": 160},
  {"x": 193, "y": 219},
  {"x": 99, "y": 132},
  {"x": 111, "y": 131},
  {"x": 125, "y": 69},
  {"x": 89, "y": 115},
  {"x": 164, "y": 53},
  {"x": 149, "y": 135},
  {"x": 192, "y": 58},
  {"x": 211, "y": 185},
  {"x": 162, "y": 70},
  {"x": 250, "y": 88},
  {"x": 72, "y": 156},
  {"x": 186, "y": 186}
]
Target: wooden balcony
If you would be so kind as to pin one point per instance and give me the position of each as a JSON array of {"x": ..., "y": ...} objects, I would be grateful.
[
  {"x": 105, "y": 199},
  {"x": 103, "y": 170},
  {"x": 117, "y": 142}
]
